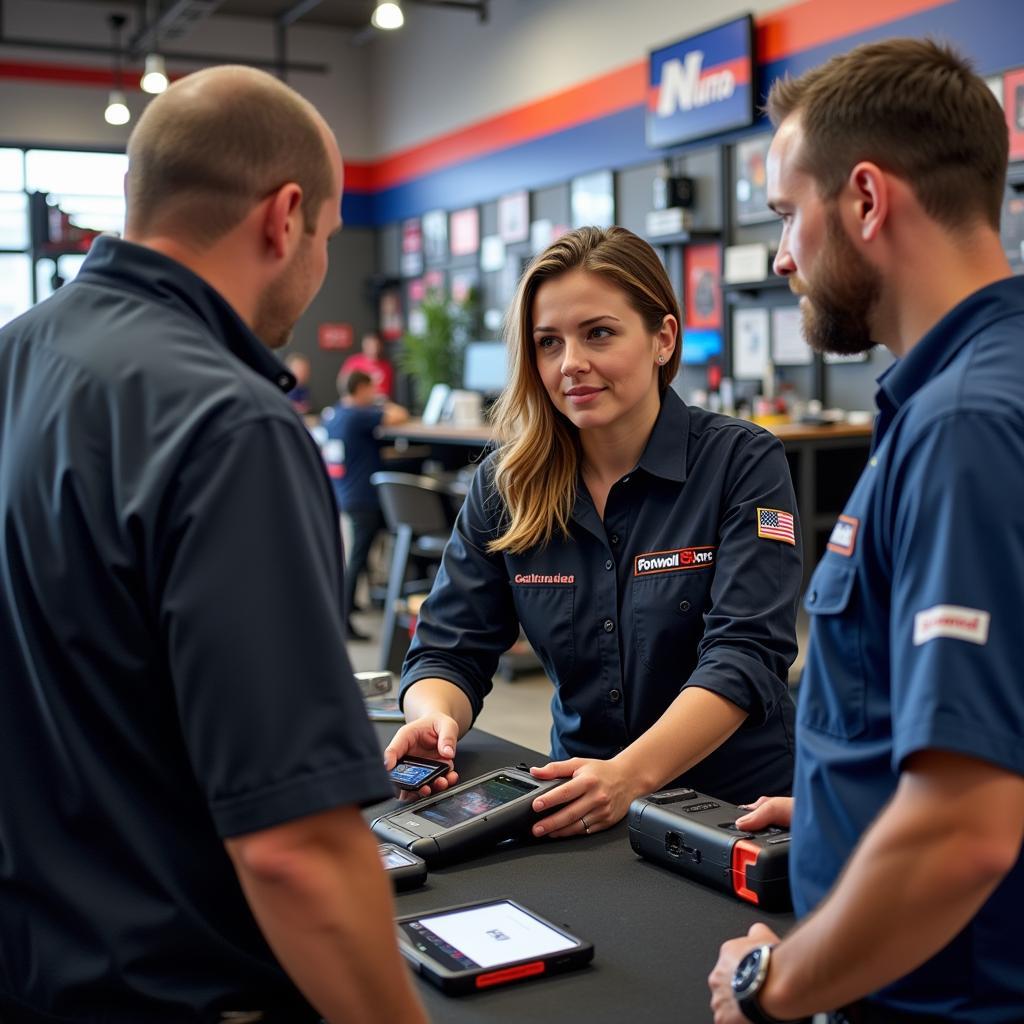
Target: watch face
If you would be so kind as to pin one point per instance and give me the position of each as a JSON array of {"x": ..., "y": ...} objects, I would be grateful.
[{"x": 746, "y": 971}]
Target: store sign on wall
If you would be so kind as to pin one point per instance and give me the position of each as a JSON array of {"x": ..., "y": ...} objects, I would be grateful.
[
  {"x": 334, "y": 336},
  {"x": 702, "y": 85}
]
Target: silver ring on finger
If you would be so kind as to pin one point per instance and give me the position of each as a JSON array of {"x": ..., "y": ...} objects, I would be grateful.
[{"x": 586, "y": 827}]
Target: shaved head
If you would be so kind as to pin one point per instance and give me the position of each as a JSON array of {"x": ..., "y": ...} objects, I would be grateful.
[{"x": 217, "y": 142}]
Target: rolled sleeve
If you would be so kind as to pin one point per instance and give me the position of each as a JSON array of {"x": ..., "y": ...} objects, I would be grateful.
[
  {"x": 957, "y": 642},
  {"x": 749, "y": 638},
  {"x": 468, "y": 620},
  {"x": 250, "y": 609}
]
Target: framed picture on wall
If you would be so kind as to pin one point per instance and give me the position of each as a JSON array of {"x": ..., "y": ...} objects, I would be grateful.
[
  {"x": 389, "y": 314},
  {"x": 514, "y": 217},
  {"x": 749, "y": 172},
  {"x": 412, "y": 247},
  {"x": 435, "y": 236},
  {"x": 1013, "y": 106},
  {"x": 702, "y": 286},
  {"x": 464, "y": 228},
  {"x": 463, "y": 283},
  {"x": 592, "y": 199}
]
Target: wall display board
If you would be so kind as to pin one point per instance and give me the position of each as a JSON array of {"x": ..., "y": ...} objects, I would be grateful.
[
  {"x": 435, "y": 236},
  {"x": 464, "y": 231},
  {"x": 1013, "y": 105},
  {"x": 514, "y": 217},
  {"x": 788, "y": 345},
  {"x": 702, "y": 85},
  {"x": 702, "y": 289},
  {"x": 592, "y": 200},
  {"x": 492, "y": 254},
  {"x": 750, "y": 157},
  {"x": 412, "y": 247},
  {"x": 750, "y": 343},
  {"x": 463, "y": 282},
  {"x": 390, "y": 321}
]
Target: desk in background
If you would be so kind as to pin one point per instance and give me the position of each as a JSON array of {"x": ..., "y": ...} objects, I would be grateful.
[{"x": 655, "y": 934}]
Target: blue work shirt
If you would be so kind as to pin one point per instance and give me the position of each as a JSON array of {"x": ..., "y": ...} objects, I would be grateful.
[
  {"x": 171, "y": 655},
  {"x": 674, "y": 588},
  {"x": 917, "y": 634},
  {"x": 352, "y": 454}
]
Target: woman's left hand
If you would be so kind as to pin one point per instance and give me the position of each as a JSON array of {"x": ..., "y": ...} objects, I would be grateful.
[{"x": 597, "y": 795}]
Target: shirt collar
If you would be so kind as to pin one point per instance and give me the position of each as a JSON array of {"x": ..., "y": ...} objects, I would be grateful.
[
  {"x": 937, "y": 349},
  {"x": 137, "y": 267},
  {"x": 665, "y": 452}
]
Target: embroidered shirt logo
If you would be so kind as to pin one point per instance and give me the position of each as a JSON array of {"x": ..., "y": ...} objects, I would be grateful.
[
  {"x": 843, "y": 538},
  {"x": 774, "y": 524},
  {"x": 953, "y": 622},
  {"x": 537, "y": 577},
  {"x": 676, "y": 560}
]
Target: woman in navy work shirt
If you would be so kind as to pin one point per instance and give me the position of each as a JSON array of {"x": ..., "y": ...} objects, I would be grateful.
[{"x": 648, "y": 548}]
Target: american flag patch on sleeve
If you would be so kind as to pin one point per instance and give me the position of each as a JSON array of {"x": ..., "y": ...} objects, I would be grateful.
[{"x": 774, "y": 524}]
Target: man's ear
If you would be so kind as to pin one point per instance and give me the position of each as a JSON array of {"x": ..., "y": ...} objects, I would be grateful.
[
  {"x": 282, "y": 221},
  {"x": 869, "y": 194}
]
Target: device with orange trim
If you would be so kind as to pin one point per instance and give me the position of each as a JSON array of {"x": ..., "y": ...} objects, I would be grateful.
[
  {"x": 696, "y": 835},
  {"x": 478, "y": 946}
]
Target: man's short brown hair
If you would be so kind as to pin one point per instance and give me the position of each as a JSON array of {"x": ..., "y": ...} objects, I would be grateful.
[
  {"x": 914, "y": 107},
  {"x": 352, "y": 382},
  {"x": 216, "y": 143}
]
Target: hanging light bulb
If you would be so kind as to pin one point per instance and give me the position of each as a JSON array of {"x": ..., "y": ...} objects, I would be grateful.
[
  {"x": 387, "y": 15},
  {"x": 154, "y": 77},
  {"x": 117, "y": 111}
]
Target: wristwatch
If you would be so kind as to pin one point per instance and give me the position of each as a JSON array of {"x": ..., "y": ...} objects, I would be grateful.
[{"x": 748, "y": 980}]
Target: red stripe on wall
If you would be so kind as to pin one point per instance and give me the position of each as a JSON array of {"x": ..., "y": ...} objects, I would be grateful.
[
  {"x": 815, "y": 22},
  {"x": 596, "y": 98},
  {"x": 358, "y": 176}
]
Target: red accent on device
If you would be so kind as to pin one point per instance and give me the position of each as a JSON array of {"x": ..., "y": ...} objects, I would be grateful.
[
  {"x": 743, "y": 855},
  {"x": 510, "y": 974}
]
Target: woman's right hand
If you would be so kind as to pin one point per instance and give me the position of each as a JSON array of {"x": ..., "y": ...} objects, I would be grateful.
[
  {"x": 433, "y": 736},
  {"x": 766, "y": 811}
]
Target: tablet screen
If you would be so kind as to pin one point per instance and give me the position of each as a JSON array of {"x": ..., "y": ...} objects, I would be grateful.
[
  {"x": 485, "y": 936},
  {"x": 478, "y": 799}
]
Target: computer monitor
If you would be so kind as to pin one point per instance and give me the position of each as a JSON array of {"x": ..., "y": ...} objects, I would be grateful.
[{"x": 485, "y": 367}]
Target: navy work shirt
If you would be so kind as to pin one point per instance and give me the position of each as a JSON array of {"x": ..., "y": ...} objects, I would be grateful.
[
  {"x": 916, "y": 644},
  {"x": 352, "y": 454},
  {"x": 170, "y": 647},
  {"x": 684, "y": 583}
]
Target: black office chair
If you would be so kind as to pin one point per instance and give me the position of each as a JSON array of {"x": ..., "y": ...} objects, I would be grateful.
[{"x": 420, "y": 512}]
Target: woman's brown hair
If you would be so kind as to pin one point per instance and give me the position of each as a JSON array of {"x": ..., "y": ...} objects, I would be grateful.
[{"x": 538, "y": 458}]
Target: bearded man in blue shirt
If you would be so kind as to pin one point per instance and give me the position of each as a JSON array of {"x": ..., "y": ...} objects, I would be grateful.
[{"x": 888, "y": 170}]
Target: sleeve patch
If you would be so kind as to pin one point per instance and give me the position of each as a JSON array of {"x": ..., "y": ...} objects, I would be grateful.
[{"x": 953, "y": 622}]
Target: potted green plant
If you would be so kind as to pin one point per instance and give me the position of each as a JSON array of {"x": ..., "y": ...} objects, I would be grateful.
[{"x": 433, "y": 355}]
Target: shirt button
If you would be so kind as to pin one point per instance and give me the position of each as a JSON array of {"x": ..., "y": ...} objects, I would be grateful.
[
  {"x": 609, "y": 564},
  {"x": 614, "y": 538},
  {"x": 813, "y": 597},
  {"x": 609, "y": 626},
  {"x": 684, "y": 606},
  {"x": 615, "y": 696},
  {"x": 625, "y": 479}
]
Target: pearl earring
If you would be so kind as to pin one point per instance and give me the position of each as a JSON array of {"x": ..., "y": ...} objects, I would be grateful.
[{"x": 661, "y": 359}]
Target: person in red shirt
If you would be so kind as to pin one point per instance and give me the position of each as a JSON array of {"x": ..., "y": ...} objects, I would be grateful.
[{"x": 371, "y": 361}]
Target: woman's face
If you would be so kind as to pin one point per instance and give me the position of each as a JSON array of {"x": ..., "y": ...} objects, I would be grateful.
[{"x": 597, "y": 360}]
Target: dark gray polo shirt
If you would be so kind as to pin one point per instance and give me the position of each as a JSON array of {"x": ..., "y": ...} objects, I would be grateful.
[{"x": 171, "y": 653}]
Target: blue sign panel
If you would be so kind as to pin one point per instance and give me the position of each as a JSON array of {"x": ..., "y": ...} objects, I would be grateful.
[{"x": 702, "y": 85}]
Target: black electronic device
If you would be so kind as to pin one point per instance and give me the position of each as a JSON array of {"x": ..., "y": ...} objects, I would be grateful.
[
  {"x": 405, "y": 869},
  {"x": 468, "y": 818},
  {"x": 412, "y": 773},
  {"x": 476, "y": 946},
  {"x": 696, "y": 835}
]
